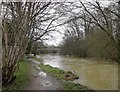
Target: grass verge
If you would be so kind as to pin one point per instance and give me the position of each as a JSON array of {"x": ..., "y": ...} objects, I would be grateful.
[
  {"x": 22, "y": 77},
  {"x": 66, "y": 77},
  {"x": 70, "y": 86},
  {"x": 58, "y": 73}
]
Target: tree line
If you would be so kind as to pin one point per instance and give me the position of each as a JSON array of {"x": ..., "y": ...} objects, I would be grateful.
[{"x": 94, "y": 31}]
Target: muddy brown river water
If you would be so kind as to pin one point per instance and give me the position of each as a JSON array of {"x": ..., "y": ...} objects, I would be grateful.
[{"x": 98, "y": 75}]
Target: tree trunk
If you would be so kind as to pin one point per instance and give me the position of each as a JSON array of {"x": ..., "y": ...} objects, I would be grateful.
[
  {"x": 0, "y": 51},
  {"x": 118, "y": 32}
]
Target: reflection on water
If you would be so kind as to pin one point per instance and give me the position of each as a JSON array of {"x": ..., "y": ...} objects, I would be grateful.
[
  {"x": 53, "y": 60},
  {"x": 99, "y": 75}
]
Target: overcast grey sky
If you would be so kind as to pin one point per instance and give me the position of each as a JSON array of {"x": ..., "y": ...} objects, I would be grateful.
[{"x": 57, "y": 37}]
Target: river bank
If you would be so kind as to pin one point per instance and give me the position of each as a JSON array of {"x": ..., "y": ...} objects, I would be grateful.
[
  {"x": 66, "y": 77},
  {"x": 98, "y": 75},
  {"x": 101, "y": 76}
]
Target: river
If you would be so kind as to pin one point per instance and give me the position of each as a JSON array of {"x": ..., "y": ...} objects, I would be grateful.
[{"x": 98, "y": 75}]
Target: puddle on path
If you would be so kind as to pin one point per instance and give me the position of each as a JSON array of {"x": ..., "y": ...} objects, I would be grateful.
[
  {"x": 40, "y": 80},
  {"x": 42, "y": 74},
  {"x": 46, "y": 83}
]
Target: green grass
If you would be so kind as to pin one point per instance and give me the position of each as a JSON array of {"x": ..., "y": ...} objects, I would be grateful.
[
  {"x": 58, "y": 73},
  {"x": 72, "y": 86},
  {"x": 67, "y": 82},
  {"x": 21, "y": 77}
]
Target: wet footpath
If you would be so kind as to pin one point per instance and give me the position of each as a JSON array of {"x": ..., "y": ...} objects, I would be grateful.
[{"x": 39, "y": 80}]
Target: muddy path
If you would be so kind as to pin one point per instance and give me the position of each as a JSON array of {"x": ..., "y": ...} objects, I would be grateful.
[{"x": 40, "y": 80}]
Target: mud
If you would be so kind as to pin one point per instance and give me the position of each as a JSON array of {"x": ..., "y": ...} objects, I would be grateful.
[{"x": 40, "y": 80}]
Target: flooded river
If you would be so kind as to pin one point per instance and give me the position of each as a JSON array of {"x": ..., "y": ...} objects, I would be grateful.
[{"x": 98, "y": 75}]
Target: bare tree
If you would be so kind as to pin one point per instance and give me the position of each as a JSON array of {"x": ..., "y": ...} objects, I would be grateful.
[
  {"x": 17, "y": 28},
  {"x": 24, "y": 23},
  {"x": 104, "y": 22},
  {"x": 0, "y": 50}
]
